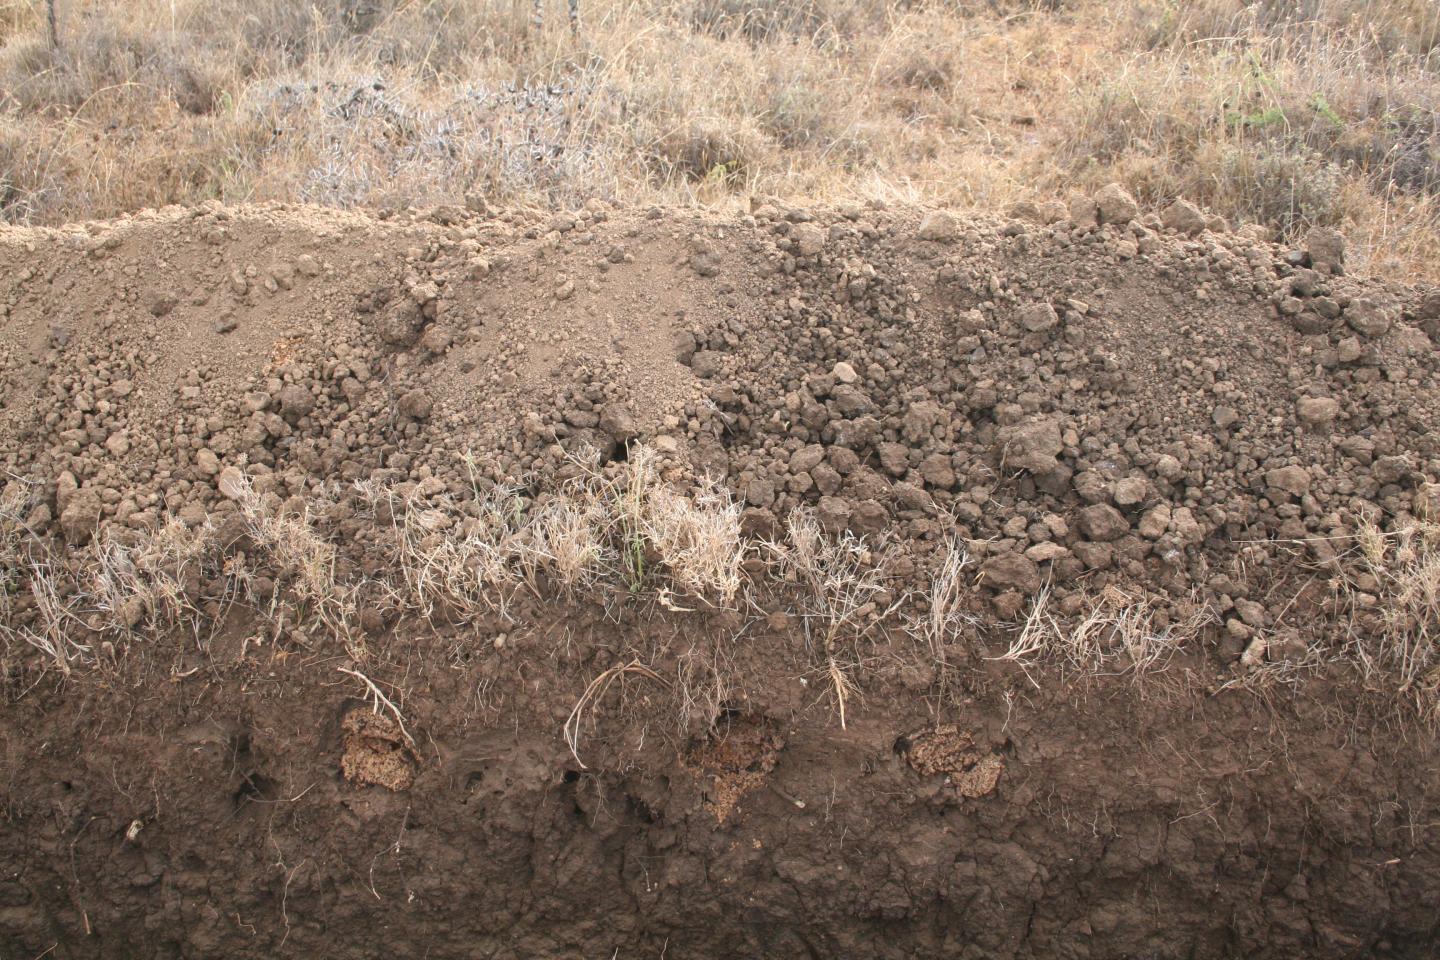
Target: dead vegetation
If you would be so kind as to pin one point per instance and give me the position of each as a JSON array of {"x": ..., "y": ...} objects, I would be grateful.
[
  {"x": 149, "y": 580},
  {"x": 625, "y": 526},
  {"x": 1267, "y": 113},
  {"x": 1111, "y": 634},
  {"x": 945, "y": 611},
  {"x": 303, "y": 556},
  {"x": 843, "y": 590},
  {"x": 1393, "y": 583},
  {"x": 1382, "y": 621},
  {"x": 618, "y": 526},
  {"x": 1282, "y": 115},
  {"x": 14, "y": 535}
]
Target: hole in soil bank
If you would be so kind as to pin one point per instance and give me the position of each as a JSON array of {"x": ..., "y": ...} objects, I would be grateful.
[
  {"x": 253, "y": 786},
  {"x": 970, "y": 768},
  {"x": 618, "y": 452}
]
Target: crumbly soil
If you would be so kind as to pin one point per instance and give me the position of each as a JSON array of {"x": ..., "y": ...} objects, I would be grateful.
[{"x": 1106, "y": 413}]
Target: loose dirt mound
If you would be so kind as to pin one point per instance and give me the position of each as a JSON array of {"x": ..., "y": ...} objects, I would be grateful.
[{"x": 819, "y": 582}]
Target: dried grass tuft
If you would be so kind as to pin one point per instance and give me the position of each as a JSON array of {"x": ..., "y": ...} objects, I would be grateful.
[
  {"x": 843, "y": 591},
  {"x": 1394, "y": 582},
  {"x": 148, "y": 579},
  {"x": 300, "y": 553},
  {"x": 1119, "y": 635}
]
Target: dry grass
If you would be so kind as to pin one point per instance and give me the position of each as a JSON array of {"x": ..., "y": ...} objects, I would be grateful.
[
  {"x": 148, "y": 580},
  {"x": 568, "y": 538},
  {"x": 1119, "y": 635},
  {"x": 14, "y": 535},
  {"x": 1286, "y": 115},
  {"x": 624, "y": 524},
  {"x": 1282, "y": 114},
  {"x": 843, "y": 589},
  {"x": 59, "y": 617},
  {"x": 465, "y": 564},
  {"x": 25, "y": 565},
  {"x": 946, "y": 613},
  {"x": 1394, "y": 584},
  {"x": 619, "y": 524},
  {"x": 1383, "y": 622},
  {"x": 302, "y": 555},
  {"x": 695, "y": 536}
]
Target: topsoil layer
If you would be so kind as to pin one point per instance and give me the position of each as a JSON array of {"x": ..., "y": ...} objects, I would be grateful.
[{"x": 1185, "y": 426}]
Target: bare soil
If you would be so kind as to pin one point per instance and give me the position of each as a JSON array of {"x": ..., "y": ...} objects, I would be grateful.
[{"x": 1105, "y": 411}]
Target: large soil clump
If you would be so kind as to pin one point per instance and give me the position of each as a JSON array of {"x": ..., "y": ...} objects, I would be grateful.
[{"x": 863, "y": 582}]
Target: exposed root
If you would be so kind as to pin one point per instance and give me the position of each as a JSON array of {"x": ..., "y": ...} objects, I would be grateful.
[
  {"x": 379, "y": 699},
  {"x": 593, "y": 693}
]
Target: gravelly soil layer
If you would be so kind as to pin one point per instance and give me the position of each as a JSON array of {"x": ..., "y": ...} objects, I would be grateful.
[{"x": 1166, "y": 422}]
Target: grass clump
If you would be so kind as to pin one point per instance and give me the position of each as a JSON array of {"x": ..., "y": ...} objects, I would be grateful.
[
  {"x": 1394, "y": 582},
  {"x": 1116, "y": 635},
  {"x": 843, "y": 588},
  {"x": 625, "y": 524},
  {"x": 151, "y": 579},
  {"x": 302, "y": 555}
]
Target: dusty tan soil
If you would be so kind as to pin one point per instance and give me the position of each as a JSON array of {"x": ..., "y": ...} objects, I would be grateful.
[{"x": 1114, "y": 420}]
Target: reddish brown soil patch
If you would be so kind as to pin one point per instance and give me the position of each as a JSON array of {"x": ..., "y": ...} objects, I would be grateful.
[
  {"x": 375, "y": 751},
  {"x": 735, "y": 759},
  {"x": 952, "y": 753}
]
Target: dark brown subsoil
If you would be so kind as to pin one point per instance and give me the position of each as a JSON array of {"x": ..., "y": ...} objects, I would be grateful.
[
  {"x": 207, "y": 816},
  {"x": 1094, "y": 406}
]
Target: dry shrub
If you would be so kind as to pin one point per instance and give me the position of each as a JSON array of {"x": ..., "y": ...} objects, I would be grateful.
[
  {"x": 800, "y": 112},
  {"x": 711, "y": 151}
]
